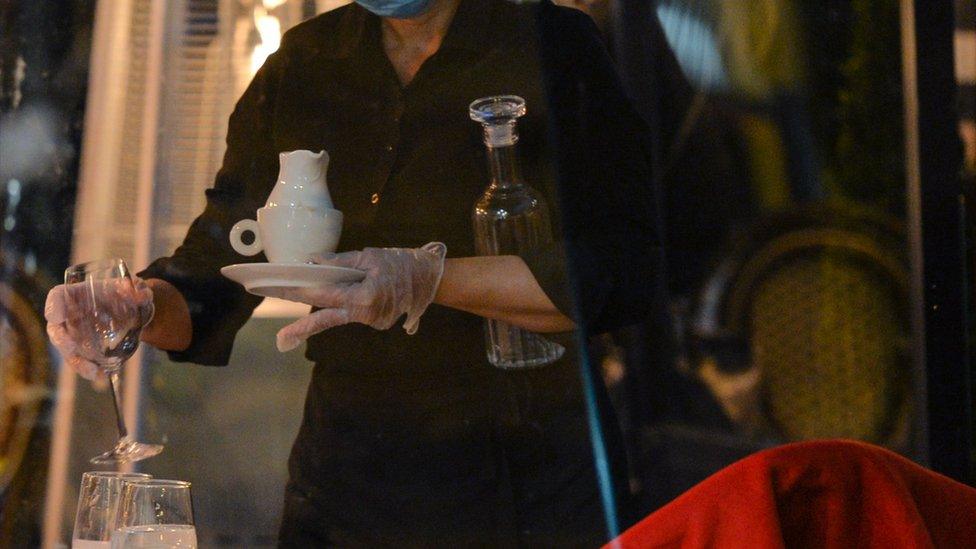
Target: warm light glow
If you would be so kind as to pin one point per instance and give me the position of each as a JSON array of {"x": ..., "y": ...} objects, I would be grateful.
[{"x": 269, "y": 30}]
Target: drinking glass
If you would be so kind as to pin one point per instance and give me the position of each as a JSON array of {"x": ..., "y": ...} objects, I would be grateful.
[
  {"x": 154, "y": 513},
  {"x": 98, "y": 501},
  {"x": 104, "y": 319}
]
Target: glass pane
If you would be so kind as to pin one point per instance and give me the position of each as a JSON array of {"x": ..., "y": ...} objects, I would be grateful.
[
  {"x": 964, "y": 42},
  {"x": 692, "y": 245},
  {"x": 782, "y": 175}
]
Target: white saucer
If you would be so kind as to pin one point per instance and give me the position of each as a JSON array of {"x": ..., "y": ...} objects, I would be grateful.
[{"x": 259, "y": 278}]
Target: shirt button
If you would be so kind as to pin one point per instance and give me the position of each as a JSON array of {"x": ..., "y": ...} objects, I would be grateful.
[{"x": 375, "y": 198}]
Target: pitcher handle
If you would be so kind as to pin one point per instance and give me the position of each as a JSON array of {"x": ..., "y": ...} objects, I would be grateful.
[{"x": 238, "y": 230}]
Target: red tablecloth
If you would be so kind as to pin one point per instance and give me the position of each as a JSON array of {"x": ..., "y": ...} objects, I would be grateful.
[{"x": 819, "y": 494}]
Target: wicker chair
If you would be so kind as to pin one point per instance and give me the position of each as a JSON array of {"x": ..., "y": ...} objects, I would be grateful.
[
  {"x": 25, "y": 397},
  {"x": 803, "y": 331}
]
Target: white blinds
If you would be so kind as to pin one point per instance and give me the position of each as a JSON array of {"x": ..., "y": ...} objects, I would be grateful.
[
  {"x": 105, "y": 214},
  {"x": 123, "y": 215},
  {"x": 199, "y": 91},
  {"x": 187, "y": 94},
  {"x": 206, "y": 64}
]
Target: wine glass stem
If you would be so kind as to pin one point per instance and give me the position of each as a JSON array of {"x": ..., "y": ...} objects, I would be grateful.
[{"x": 113, "y": 379}]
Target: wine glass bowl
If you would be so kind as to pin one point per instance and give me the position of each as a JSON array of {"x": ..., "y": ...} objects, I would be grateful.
[
  {"x": 103, "y": 313},
  {"x": 104, "y": 316},
  {"x": 154, "y": 513},
  {"x": 98, "y": 501}
]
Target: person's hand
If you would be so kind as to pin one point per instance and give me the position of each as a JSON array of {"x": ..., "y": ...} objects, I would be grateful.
[
  {"x": 398, "y": 281},
  {"x": 68, "y": 323}
]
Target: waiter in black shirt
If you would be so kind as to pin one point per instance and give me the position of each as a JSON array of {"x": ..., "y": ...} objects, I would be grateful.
[{"x": 415, "y": 439}]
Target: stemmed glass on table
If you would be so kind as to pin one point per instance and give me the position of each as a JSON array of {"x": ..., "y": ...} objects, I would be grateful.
[
  {"x": 133, "y": 511},
  {"x": 104, "y": 319},
  {"x": 98, "y": 502},
  {"x": 154, "y": 513}
]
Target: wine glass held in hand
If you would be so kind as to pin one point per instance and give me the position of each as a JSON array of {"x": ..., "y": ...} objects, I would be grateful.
[
  {"x": 154, "y": 513},
  {"x": 104, "y": 318}
]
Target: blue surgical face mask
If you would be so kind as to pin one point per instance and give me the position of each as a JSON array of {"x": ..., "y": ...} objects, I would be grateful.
[{"x": 397, "y": 9}]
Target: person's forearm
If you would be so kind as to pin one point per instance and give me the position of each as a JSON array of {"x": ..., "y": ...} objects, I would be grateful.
[
  {"x": 502, "y": 288},
  {"x": 171, "y": 328}
]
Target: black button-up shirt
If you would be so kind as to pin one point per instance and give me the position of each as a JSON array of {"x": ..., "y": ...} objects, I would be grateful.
[{"x": 417, "y": 437}]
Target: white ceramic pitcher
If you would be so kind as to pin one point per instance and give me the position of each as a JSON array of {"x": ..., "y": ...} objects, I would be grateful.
[
  {"x": 298, "y": 219},
  {"x": 301, "y": 181}
]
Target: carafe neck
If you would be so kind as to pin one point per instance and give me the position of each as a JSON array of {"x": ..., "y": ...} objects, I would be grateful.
[
  {"x": 505, "y": 172},
  {"x": 498, "y": 116}
]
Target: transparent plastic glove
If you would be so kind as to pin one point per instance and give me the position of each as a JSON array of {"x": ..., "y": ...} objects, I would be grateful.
[
  {"x": 398, "y": 281},
  {"x": 66, "y": 322}
]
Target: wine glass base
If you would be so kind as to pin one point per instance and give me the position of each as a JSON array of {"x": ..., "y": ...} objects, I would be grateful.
[{"x": 128, "y": 450}]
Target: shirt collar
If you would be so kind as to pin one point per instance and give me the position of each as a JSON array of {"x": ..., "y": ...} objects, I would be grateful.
[
  {"x": 469, "y": 30},
  {"x": 471, "y": 27},
  {"x": 350, "y": 31}
]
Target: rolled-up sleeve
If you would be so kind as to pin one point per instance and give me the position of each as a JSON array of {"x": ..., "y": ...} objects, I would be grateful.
[
  {"x": 610, "y": 252},
  {"x": 219, "y": 307},
  {"x": 548, "y": 265}
]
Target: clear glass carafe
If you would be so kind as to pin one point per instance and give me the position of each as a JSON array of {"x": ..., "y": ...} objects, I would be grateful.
[{"x": 510, "y": 218}]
